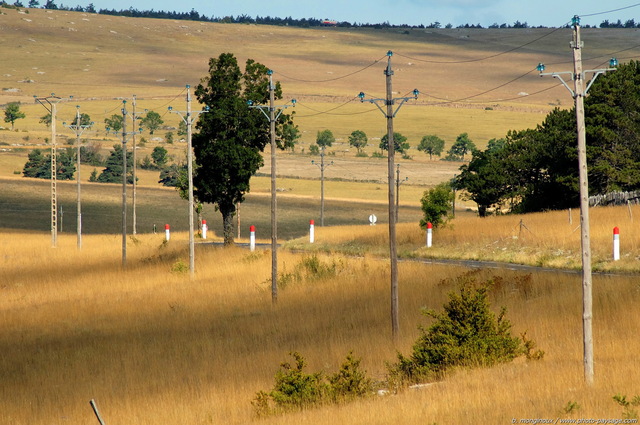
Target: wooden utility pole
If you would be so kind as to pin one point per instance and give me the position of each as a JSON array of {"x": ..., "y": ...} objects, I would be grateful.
[
  {"x": 274, "y": 202},
  {"x": 390, "y": 114},
  {"x": 188, "y": 120},
  {"x": 124, "y": 184},
  {"x": 134, "y": 118},
  {"x": 578, "y": 93},
  {"x": 393, "y": 253},
  {"x": 398, "y": 183},
  {"x": 272, "y": 116},
  {"x": 587, "y": 299},
  {"x": 322, "y": 167}
]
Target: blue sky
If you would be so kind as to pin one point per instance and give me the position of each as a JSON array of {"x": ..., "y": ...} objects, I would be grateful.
[{"x": 412, "y": 12}]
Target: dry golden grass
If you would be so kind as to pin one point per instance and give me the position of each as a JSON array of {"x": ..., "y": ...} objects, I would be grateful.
[
  {"x": 550, "y": 239},
  {"x": 154, "y": 348}
]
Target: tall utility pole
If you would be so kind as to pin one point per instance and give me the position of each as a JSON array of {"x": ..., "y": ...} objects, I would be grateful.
[
  {"x": 50, "y": 104},
  {"x": 124, "y": 184},
  {"x": 124, "y": 181},
  {"x": 322, "y": 167},
  {"x": 272, "y": 116},
  {"x": 78, "y": 128},
  {"x": 188, "y": 120},
  {"x": 578, "y": 93},
  {"x": 390, "y": 101},
  {"x": 134, "y": 117},
  {"x": 398, "y": 183}
]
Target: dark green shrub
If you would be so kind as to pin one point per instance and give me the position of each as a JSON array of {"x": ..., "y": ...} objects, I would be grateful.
[
  {"x": 295, "y": 389},
  {"x": 466, "y": 333},
  {"x": 350, "y": 381}
]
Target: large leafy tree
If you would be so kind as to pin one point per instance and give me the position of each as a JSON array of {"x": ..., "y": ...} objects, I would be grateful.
[
  {"x": 12, "y": 113},
  {"x": 431, "y": 145},
  {"x": 358, "y": 139},
  {"x": 289, "y": 137},
  {"x": 230, "y": 138},
  {"x": 85, "y": 119},
  {"x": 436, "y": 205},
  {"x": 399, "y": 143},
  {"x": 461, "y": 147},
  {"x": 113, "y": 123},
  {"x": 325, "y": 138},
  {"x": 152, "y": 121}
]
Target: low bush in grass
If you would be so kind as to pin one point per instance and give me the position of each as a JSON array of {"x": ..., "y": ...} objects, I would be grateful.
[
  {"x": 467, "y": 333},
  {"x": 295, "y": 389}
]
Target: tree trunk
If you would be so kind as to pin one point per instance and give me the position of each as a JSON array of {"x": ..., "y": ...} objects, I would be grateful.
[
  {"x": 227, "y": 226},
  {"x": 482, "y": 210}
]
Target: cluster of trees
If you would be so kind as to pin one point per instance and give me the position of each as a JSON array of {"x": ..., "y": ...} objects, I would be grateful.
[
  {"x": 39, "y": 164},
  {"x": 194, "y": 15},
  {"x": 537, "y": 169},
  {"x": 152, "y": 121},
  {"x": 431, "y": 145}
]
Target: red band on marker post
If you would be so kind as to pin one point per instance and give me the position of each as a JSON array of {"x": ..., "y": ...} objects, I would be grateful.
[{"x": 252, "y": 238}]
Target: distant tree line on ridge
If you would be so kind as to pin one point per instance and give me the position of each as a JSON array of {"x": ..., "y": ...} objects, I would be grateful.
[{"x": 194, "y": 15}]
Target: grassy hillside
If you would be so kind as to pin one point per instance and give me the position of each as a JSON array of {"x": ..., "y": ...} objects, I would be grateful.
[
  {"x": 151, "y": 347},
  {"x": 100, "y": 58}
]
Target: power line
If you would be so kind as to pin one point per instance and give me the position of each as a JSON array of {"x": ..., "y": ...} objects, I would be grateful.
[
  {"x": 483, "y": 58},
  {"x": 334, "y": 78},
  {"x": 610, "y": 11},
  {"x": 328, "y": 111}
]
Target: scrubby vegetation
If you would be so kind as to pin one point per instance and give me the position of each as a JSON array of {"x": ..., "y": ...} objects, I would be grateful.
[
  {"x": 295, "y": 389},
  {"x": 466, "y": 333}
]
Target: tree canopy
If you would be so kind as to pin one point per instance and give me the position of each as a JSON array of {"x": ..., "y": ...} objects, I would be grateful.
[
  {"x": 358, "y": 139},
  {"x": 399, "y": 142},
  {"x": 461, "y": 147},
  {"x": 231, "y": 136},
  {"x": 38, "y": 165},
  {"x": 12, "y": 113},
  {"x": 112, "y": 172},
  {"x": 432, "y": 145},
  {"x": 152, "y": 121},
  {"x": 325, "y": 138},
  {"x": 113, "y": 123},
  {"x": 537, "y": 169}
]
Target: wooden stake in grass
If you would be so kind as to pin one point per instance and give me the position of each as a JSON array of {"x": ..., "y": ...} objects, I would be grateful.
[{"x": 95, "y": 410}]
